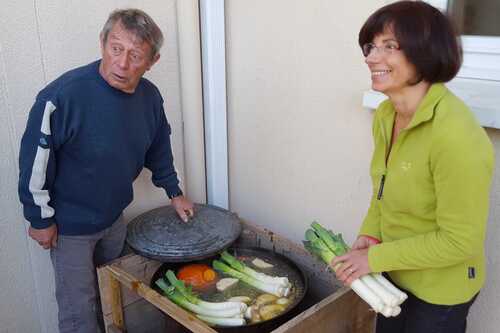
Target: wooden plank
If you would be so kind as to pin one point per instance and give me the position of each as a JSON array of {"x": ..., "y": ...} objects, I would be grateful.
[
  {"x": 140, "y": 267},
  {"x": 185, "y": 318},
  {"x": 116, "y": 302},
  {"x": 341, "y": 312}
]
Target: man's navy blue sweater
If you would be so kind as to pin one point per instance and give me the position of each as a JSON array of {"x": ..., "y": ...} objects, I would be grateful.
[{"x": 84, "y": 144}]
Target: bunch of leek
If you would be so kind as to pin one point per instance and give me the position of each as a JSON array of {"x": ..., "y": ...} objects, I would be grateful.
[
  {"x": 213, "y": 313},
  {"x": 279, "y": 286},
  {"x": 373, "y": 288}
]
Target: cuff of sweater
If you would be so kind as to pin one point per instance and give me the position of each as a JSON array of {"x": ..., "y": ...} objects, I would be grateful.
[
  {"x": 42, "y": 223},
  {"x": 370, "y": 229},
  {"x": 381, "y": 257},
  {"x": 375, "y": 240},
  {"x": 173, "y": 191}
]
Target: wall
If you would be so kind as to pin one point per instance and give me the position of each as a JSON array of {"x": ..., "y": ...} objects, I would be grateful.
[
  {"x": 39, "y": 40},
  {"x": 299, "y": 140},
  {"x": 484, "y": 313}
]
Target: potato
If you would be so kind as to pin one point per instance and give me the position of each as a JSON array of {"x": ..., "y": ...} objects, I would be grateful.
[
  {"x": 265, "y": 299},
  {"x": 242, "y": 299},
  {"x": 270, "y": 311},
  {"x": 261, "y": 263},
  {"x": 225, "y": 283}
]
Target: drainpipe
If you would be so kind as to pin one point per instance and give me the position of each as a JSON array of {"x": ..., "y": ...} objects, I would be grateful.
[{"x": 214, "y": 101}]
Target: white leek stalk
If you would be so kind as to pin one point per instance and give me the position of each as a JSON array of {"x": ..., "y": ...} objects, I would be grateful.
[
  {"x": 271, "y": 288},
  {"x": 389, "y": 286},
  {"x": 234, "y": 321},
  {"x": 367, "y": 295},
  {"x": 384, "y": 294}
]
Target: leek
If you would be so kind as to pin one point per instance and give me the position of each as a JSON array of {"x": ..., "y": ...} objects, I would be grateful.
[
  {"x": 241, "y": 267},
  {"x": 192, "y": 298},
  {"x": 178, "y": 298},
  {"x": 389, "y": 286},
  {"x": 271, "y": 288},
  {"x": 234, "y": 321},
  {"x": 374, "y": 289}
]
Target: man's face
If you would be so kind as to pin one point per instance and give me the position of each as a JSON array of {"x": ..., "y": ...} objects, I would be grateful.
[{"x": 125, "y": 59}]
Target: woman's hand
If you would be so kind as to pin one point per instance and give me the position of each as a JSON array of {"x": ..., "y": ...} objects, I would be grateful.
[
  {"x": 364, "y": 242},
  {"x": 351, "y": 265}
]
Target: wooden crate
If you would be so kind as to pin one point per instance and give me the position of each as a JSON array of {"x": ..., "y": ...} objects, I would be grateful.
[{"x": 130, "y": 305}]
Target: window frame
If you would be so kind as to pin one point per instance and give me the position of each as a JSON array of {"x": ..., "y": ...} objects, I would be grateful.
[
  {"x": 477, "y": 82},
  {"x": 481, "y": 53}
]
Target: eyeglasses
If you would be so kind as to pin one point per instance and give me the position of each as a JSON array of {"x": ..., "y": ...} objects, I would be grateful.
[{"x": 387, "y": 48}]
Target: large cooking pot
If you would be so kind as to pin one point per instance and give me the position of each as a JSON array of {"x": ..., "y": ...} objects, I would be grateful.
[
  {"x": 161, "y": 235},
  {"x": 282, "y": 266}
]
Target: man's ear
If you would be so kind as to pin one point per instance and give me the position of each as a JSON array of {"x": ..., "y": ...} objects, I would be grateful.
[
  {"x": 101, "y": 42},
  {"x": 154, "y": 61}
]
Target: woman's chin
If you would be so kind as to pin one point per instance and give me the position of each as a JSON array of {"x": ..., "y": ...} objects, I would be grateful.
[{"x": 378, "y": 88}]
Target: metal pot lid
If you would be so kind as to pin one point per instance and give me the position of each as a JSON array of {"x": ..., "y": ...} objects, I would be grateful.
[{"x": 161, "y": 235}]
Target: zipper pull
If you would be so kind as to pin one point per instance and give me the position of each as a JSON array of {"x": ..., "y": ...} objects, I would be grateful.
[{"x": 381, "y": 187}]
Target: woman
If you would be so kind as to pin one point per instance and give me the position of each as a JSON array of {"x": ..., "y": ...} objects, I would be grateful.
[{"x": 431, "y": 171}]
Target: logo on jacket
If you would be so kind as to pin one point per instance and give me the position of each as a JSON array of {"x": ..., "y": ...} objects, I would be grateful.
[
  {"x": 43, "y": 142},
  {"x": 406, "y": 166}
]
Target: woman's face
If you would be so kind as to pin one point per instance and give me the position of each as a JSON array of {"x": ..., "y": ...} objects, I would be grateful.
[{"x": 391, "y": 71}]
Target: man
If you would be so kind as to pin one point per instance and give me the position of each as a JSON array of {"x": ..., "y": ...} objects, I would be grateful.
[{"x": 88, "y": 136}]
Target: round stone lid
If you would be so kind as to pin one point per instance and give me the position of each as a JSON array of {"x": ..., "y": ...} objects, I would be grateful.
[{"x": 161, "y": 235}]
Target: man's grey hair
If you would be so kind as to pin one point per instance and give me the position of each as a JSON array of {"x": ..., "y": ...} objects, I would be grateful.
[{"x": 137, "y": 22}]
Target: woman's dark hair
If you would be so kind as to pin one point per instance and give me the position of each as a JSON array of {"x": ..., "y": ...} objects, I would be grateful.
[{"x": 425, "y": 35}]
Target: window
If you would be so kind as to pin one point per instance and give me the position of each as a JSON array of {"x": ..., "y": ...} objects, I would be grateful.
[
  {"x": 478, "y": 82},
  {"x": 476, "y": 17}
]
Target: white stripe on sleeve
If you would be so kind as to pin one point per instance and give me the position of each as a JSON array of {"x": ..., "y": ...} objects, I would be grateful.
[
  {"x": 38, "y": 174},
  {"x": 40, "y": 197},
  {"x": 49, "y": 108}
]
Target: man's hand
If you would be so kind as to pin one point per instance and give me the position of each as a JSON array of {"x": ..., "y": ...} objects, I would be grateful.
[
  {"x": 47, "y": 237},
  {"x": 183, "y": 206}
]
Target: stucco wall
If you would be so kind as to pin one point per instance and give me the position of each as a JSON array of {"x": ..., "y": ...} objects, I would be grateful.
[
  {"x": 299, "y": 141},
  {"x": 484, "y": 316},
  {"x": 39, "y": 40}
]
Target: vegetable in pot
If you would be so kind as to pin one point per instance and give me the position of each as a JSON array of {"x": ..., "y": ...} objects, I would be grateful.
[
  {"x": 201, "y": 308},
  {"x": 270, "y": 311},
  {"x": 243, "y": 299},
  {"x": 268, "y": 287},
  {"x": 257, "y": 262},
  {"x": 222, "y": 321},
  {"x": 241, "y": 267},
  {"x": 226, "y": 283},
  {"x": 192, "y": 298},
  {"x": 265, "y": 299},
  {"x": 197, "y": 275}
]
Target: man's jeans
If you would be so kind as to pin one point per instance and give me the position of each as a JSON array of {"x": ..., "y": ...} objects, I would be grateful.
[
  {"x": 418, "y": 316},
  {"x": 74, "y": 260}
]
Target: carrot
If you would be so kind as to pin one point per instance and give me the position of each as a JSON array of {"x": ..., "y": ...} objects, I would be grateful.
[
  {"x": 209, "y": 274},
  {"x": 197, "y": 275}
]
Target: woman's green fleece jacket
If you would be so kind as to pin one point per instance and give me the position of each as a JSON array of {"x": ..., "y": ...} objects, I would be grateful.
[{"x": 431, "y": 209}]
